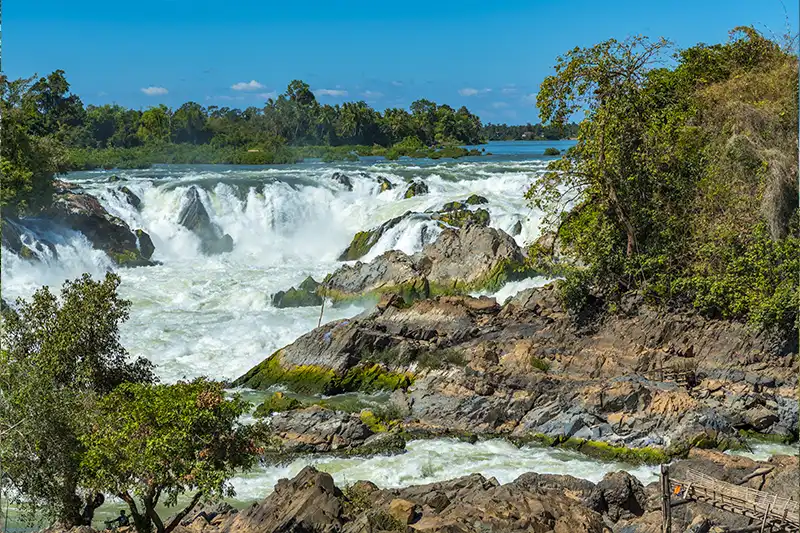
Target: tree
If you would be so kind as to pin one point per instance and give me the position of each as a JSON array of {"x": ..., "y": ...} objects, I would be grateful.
[
  {"x": 28, "y": 163},
  {"x": 154, "y": 125},
  {"x": 58, "y": 356},
  {"x": 153, "y": 443},
  {"x": 189, "y": 124}
]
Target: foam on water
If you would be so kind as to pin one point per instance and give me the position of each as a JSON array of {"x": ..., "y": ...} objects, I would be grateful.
[
  {"x": 430, "y": 461},
  {"x": 199, "y": 315}
]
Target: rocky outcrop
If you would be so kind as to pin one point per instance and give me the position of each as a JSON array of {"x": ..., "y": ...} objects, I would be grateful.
[
  {"x": 385, "y": 184},
  {"x": 82, "y": 212},
  {"x": 470, "y": 258},
  {"x": 417, "y": 188},
  {"x": 304, "y": 295},
  {"x": 12, "y": 240},
  {"x": 194, "y": 217},
  {"x": 363, "y": 241},
  {"x": 343, "y": 180},
  {"x": 130, "y": 197},
  {"x": 524, "y": 370}
]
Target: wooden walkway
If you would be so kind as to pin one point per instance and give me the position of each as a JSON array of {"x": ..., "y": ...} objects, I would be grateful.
[{"x": 769, "y": 511}]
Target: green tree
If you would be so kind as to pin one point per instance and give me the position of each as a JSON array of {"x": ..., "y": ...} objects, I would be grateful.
[
  {"x": 154, "y": 125},
  {"x": 153, "y": 443},
  {"x": 58, "y": 356},
  {"x": 189, "y": 124}
]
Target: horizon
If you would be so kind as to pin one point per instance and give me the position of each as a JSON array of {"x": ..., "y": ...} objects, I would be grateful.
[{"x": 161, "y": 53}]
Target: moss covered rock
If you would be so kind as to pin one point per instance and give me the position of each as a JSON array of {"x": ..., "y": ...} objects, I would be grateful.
[
  {"x": 474, "y": 199},
  {"x": 385, "y": 184},
  {"x": 416, "y": 188},
  {"x": 363, "y": 241},
  {"x": 460, "y": 217},
  {"x": 277, "y": 403},
  {"x": 303, "y": 296}
]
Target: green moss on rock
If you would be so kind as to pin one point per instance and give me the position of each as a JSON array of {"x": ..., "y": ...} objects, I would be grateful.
[
  {"x": 475, "y": 199},
  {"x": 312, "y": 379},
  {"x": 277, "y": 403},
  {"x": 304, "y": 296},
  {"x": 601, "y": 450}
]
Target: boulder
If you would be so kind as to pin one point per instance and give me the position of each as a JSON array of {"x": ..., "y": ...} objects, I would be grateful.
[
  {"x": 303, "y": 296},
  {"x": 363, "y": 241},
  {"x": 194, "y": 217},
  {"x": 316, "y": 429},
  {"x": 131, "y": 197},
  {"x": 83, "y": 212},
  {"x": 516, "y": 229},
  {"x": 470, "y": 258},
  {"x": 146, "y": 246},
  {"x": 475, "y": 199},
  {"x": 618, "y": 495},
  {"x": 459, "y": 216},
  {"x": 417, "y": 188},
  {"x": 385, "y": 184},
  {"x": 343, "y": 180}
]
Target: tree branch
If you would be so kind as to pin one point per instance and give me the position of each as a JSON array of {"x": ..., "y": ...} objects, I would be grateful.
[{"x": 180, "y": 516}]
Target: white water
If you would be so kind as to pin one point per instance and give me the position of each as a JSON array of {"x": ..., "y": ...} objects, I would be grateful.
[{"x": 199, "y": 315}]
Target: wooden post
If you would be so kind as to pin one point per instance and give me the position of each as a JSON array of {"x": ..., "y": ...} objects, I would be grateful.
[
  {"x": 321, "y": 309},
  {"x": 666, "y": 508},
  {"x": 766, "y": 514}
]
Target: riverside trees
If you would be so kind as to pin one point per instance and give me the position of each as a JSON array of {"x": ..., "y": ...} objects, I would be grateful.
[
  {"x": 77, "y": 415},
  {"x": 684, "y": 179}
]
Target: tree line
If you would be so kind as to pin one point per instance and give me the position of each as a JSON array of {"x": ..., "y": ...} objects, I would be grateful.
[{"x": 529, "y": 132}]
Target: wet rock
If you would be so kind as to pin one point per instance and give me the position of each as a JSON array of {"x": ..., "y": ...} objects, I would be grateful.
[
  {"x": 619, "y": 495},
  {"x": 146, "y": 246},
  {"x": 316, "y": 429},
  {"x": 343, "y": 180},
  {"x": 462, "y": 216},
  {"x": 759, "y": 418},
  {"x": 83, "y": 212},
  {"x": 194, "y": 217},
  {"x": 363, "y": 241},
  {"x": 385, "y": 184},
  {"x": 516, "y": 229},
  {"x": 475, "y": 199},
  {"x": 131, "y": 197},
  {"x": 417, "y": 188},
  {"x": 470, "y": 258},
  {"x": 304, "y": 295}
]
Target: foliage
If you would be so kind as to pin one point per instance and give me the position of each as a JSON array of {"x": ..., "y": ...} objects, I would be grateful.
[
  {"x": 529, "y": 132},
  {"x": 440, "y": 358},
  {"x": 157, "y": 442},
  {"x": 57, "y": 357},
  {"x": 683, "y": 183}
]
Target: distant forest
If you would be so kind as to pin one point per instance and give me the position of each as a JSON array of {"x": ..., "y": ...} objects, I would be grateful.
[{"x": 528, "y": 132}]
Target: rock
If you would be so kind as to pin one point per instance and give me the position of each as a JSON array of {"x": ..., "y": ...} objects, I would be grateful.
[
  {"x": 276, "y": 403},
  {"x": 131, "y": 197},
  {"x": 385, "y": 184},
  {"x": 343, "y": 180},
  {"x": 474, "y": 199},
  {"x": 619, "y": 495},
  {"x": 194, "y": 217},
  {"x": 316, "y": 429},
  {"x": 700, "y": 524},
  {"x": 467, "y": 259},
  {"x": 404, "y": 511},
  {"x": 82, "y": 212},
  {"x": 146, "y": 246},
  {"x": 417, "y": 188},
  {"x": 113, "y": 179},
  {"x": 759, "y": 418},
  {"x": 310, "y": 502},
  {"x": 460, "y": 217},
  {"x": 516, "y": 229},
  {"x": 363, "y": 241},
  {"x": 304, "y": 296}
]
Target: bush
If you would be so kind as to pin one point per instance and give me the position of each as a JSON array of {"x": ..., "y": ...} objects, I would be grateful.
[{"x": 552, "y": 151}]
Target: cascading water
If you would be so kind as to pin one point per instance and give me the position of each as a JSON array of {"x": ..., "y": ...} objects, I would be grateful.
[{"x": 195, "y": 314}]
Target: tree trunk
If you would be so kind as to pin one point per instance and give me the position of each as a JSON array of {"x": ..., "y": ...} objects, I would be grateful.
[
  {"x": 180, "y": 516},
  {"x": 91, "y": 503},
  {"x": 141, "y": 522}
]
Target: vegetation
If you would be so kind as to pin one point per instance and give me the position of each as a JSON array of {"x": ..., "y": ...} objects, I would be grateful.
[
  {"x": 529, "y": 132},
  {"x": 153, "y": 443},
  {"x": 683, "y": 183},
  {"x": 80, "y": 420}
]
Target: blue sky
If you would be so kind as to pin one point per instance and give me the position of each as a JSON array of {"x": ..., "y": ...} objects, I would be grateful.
[{"x": 489, "y": 55}]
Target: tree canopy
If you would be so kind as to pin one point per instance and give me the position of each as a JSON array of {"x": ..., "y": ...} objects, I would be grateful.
[{"x": 683, "y": 183}]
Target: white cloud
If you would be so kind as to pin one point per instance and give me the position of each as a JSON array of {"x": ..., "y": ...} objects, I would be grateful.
[
  {"x": 397, "y": 83},
  {"x": 267, "y": 96},
  {"x": 530, "y": 98},
  {"x": 374, "y": 95},
  {"x": 154, "y": 91},
  {"x": 469, "y": 91},
  {"x": 330, "y": 92},
  {"x": 251, "y": 85},
  {"x": 509, "y": 89},
  {"x": 499, "y": 105}
]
